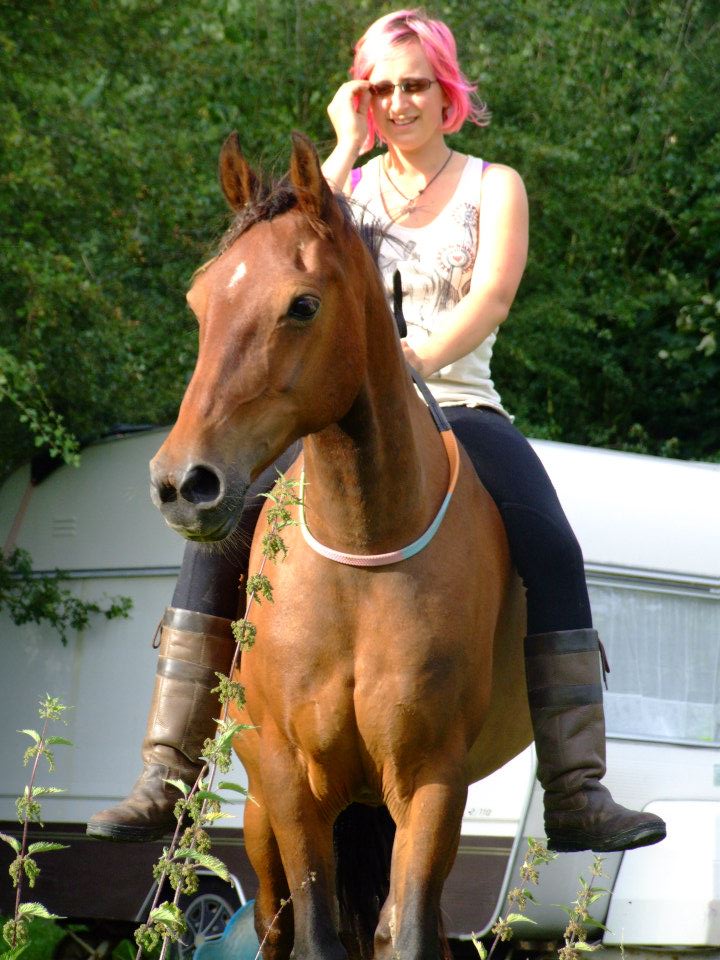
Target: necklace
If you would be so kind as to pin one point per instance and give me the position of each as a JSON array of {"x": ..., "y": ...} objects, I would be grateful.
[{"x": 411, "y": 201}]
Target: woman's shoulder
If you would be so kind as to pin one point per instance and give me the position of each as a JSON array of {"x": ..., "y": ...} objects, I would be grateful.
[
  {"x": 501, "y": 175},
  {"x": 363, "y": 170},
  {"x": 502, "y": 187},
  {"x": 504, "y": 199},
  {"x": 483, "y": 179},
  {"x": 495, "y": 176}
]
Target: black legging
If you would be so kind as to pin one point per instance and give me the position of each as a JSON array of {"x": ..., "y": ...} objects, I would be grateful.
[{"x": 543, "y": 546}]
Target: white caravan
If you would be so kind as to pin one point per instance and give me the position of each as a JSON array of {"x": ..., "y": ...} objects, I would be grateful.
[{"x": 650, "y": 533}]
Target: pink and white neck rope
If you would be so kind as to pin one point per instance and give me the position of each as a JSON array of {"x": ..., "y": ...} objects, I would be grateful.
[{"x": 395, "y": 556}]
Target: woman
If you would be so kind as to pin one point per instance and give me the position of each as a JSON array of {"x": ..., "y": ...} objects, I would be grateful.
[{"x": 457, "y": 230}]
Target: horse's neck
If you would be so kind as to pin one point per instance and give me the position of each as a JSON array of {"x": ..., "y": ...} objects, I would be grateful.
[{"x": 376, "y": 478}]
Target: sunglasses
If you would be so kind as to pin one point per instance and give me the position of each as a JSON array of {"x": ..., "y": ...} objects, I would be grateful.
[{"x": 413, "y": 85}]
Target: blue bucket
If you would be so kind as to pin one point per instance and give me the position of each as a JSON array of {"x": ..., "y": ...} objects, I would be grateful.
[{"x": 239, "y": 940}]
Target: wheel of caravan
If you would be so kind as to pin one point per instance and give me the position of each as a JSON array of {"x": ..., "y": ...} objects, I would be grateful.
[{"x": 206, "y": 913}]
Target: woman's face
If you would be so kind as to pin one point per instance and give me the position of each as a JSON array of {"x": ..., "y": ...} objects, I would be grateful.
[{"x": 407, "y": 120}]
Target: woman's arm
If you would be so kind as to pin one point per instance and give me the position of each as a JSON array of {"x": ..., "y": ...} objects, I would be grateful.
[
  {"x": 348, "y": 115},
  {"x": 499, "y": 266}
]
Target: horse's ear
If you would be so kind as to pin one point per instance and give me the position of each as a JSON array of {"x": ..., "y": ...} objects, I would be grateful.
[
  {"x": 238, "y": 182},
  {"x": 314, "y": 196}
]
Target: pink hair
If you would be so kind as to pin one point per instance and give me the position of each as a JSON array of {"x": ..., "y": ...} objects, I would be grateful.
[{"x": 439, "y": 47}]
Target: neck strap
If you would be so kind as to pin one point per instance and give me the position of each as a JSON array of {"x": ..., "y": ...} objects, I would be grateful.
[{"x": 395, "y": 556}]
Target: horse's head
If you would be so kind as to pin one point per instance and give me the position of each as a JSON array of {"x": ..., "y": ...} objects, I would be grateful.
[{"x": 282, "y": 343}]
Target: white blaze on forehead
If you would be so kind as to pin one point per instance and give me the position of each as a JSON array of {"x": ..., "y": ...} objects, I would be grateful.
[{"x": 238, "y": 274}]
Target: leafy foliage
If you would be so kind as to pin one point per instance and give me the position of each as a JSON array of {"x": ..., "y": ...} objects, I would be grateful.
[
  {"x": 611, "y": 113},
  {"x": 108, "y": 143},
  {"x": 31, "y": 599},
  {"x": 20, "y": 385}
]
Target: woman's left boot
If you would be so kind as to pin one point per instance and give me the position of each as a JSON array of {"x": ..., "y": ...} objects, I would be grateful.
[{"x": 566, "y": 706}]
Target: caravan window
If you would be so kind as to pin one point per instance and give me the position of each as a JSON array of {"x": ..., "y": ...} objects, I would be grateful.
[{"x": 663, "y": 645}]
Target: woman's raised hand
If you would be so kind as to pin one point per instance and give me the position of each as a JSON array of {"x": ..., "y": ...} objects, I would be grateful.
[{"x": 348, "y": 111}]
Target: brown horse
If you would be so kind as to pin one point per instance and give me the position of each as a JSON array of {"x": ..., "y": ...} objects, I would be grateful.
[{"x": 397, "y": 685}]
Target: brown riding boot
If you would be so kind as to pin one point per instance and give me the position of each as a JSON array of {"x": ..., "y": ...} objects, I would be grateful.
[
  {"x": 566, "y": 706},
  {"x": 183, "y": 714}
]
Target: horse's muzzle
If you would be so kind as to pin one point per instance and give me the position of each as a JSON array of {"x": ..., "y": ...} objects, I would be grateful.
[{"x": 194, "y": 500}]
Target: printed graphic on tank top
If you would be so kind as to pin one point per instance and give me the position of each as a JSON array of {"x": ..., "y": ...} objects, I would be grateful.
[{"x": 436, "y": 263}]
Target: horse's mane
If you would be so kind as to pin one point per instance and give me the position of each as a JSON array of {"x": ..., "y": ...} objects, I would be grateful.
[{"x": 276, "y": 197}]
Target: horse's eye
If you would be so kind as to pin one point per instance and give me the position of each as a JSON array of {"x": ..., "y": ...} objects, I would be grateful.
[{"x": 303, "y": 309}]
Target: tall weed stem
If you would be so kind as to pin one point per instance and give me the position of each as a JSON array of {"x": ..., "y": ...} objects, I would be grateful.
[
  {"x": 190, "y": 849},
  {"x": 24, "y": 867}
]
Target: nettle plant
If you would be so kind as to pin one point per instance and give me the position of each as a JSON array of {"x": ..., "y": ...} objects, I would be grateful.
[
  {"x": 575, "y": 935},
  {"x": 24, "y": 869},
  {"x": 200, "y": 806}
]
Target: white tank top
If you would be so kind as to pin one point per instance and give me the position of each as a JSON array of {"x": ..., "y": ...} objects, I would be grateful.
[{"x": 436, "y": 263}]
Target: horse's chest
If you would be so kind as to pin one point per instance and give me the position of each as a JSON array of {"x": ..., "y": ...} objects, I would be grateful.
[{"x": 355, "y": 675}]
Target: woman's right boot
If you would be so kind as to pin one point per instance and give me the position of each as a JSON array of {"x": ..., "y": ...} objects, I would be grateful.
[{"x": 183, "y": 714}]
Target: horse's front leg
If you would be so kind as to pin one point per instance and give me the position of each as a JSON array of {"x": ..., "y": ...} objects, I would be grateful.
[
  {"x": 273, "y": 910},
  {"x": 428, "y": 831},
  {"x": 303, "y": 829}
]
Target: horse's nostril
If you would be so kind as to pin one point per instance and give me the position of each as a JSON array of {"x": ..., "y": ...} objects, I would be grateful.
[
  {"x": 166, "y": 492},
  {"x": 200, "y": 485}
]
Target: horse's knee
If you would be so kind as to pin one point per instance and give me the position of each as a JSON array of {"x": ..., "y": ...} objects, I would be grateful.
[{"x": 385, "y": 932}]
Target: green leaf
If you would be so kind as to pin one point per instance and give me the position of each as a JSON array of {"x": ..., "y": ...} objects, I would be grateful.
[
  {"x": 236, "y": 787},
  {"x": 226, "y": 731},
  {"x": 181, "y": 786},
  {"x": 584, "y": 947},
  {"x": 208, "y": 795},
  {"x": 124, "y": 951},
  {"x": 52, "y": 708},
  {"x": 32, "y": 733},
  {"x": 214, "y": 815},
  {"x": 13, "y": 841},
  {"x": 206, "y": 860},
  {"x": 167, "y": 913},
  {"x": 59, "y": 740},
  {"x": 46, "y": 791},
  {"x": 45, "y": 846},
  {"x": 163, "y": 912},
  {"x": 37, "y": 910},
  {"x": 514, "y": 917}
]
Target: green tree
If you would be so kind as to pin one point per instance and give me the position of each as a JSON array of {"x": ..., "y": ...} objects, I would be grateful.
[
  {"x": 109, "y": 140},
  {"x": 611, "y": 113}
]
